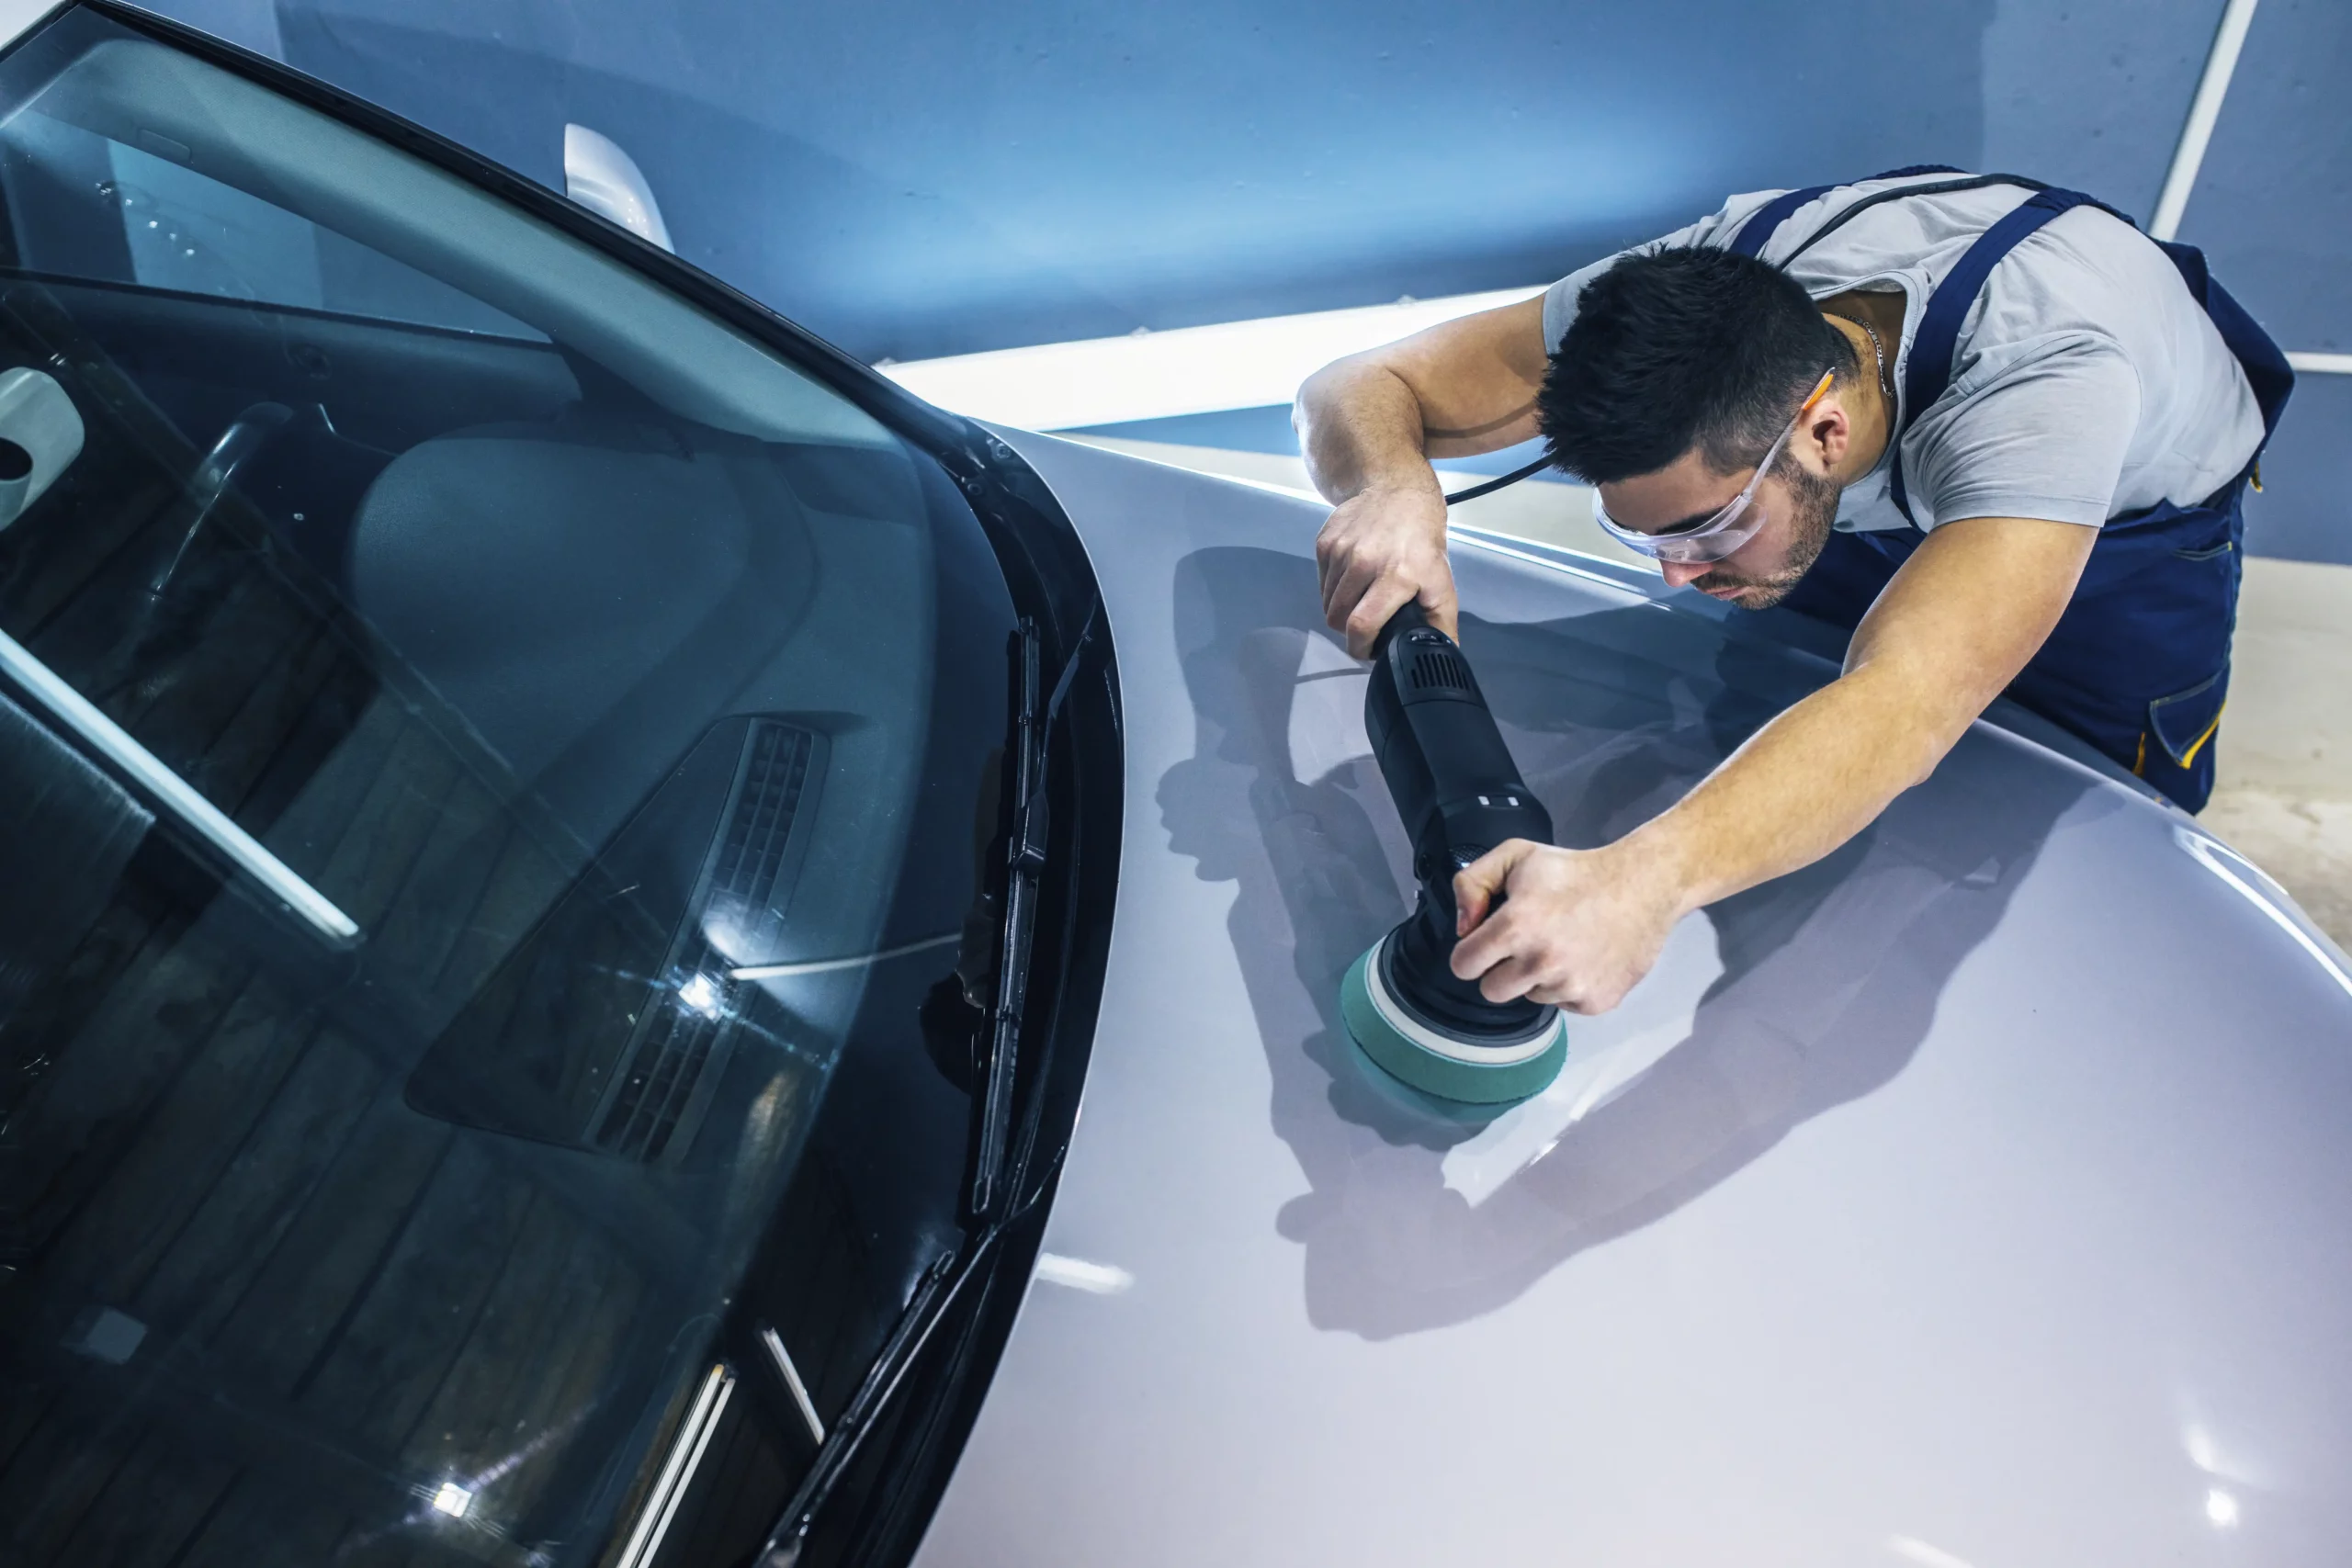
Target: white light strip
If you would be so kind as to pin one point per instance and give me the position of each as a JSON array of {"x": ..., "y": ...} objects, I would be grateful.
[
  {"x": 685, "y": 1452},
  {"x": 2203, "y": 110},
  {"x": 828, "y": 965},
  {"x": 75, "y": 711},
  {"x": 1110, "y": 380},
  {"x": 791, "y": 1374},
  {"x": 1911, "y": 1549},
  {"x": 1506, "y": 544},
  {"x": 2322, "y": 364},
  {"x": 1094, "y": 1278}
]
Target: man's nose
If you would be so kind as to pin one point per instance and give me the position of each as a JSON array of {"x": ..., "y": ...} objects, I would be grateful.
[{"x": 1681, "y": 573}]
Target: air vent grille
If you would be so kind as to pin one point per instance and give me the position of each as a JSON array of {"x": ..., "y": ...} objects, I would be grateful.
[
  {"x": 758, "y": 831},
  {"x": 661, "y": 1083},
  {"x": 666, "y": 1062}
]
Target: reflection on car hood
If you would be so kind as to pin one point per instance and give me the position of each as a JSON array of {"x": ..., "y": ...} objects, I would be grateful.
[{"x": 1977, "y": 1196}]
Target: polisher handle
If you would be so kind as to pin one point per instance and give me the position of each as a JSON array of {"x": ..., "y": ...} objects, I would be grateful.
[
  {"x": 1443, "y": 755},
  {"x": 1408, "y": 615},
  {"x": 1459, "y": 794}
]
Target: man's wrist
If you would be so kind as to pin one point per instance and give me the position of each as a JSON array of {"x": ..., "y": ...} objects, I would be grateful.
[
  {"x": 1668, "y": 863},
  {"x": 1413, "y": 478}
]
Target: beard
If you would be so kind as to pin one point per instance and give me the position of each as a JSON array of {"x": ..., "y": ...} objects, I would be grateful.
[{"x": 1816, "y": 499}]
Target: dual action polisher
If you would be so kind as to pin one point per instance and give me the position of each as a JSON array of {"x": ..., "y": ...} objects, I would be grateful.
[{"x": 1460, "y": 795}]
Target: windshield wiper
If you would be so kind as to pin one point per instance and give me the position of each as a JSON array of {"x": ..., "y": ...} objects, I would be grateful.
[
  {"x": 1024, "y": 861},
  {"x": 951, "y": 1271}
]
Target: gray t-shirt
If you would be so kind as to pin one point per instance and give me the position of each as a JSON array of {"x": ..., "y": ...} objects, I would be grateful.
[{"x": 2087, "y": 383}]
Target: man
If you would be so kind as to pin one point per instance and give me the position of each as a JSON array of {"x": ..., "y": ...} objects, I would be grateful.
[{"x": 2000, "y": 435}]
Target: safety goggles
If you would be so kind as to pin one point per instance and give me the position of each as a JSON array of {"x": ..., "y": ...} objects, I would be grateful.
[{"x": 1712, "y": 538}]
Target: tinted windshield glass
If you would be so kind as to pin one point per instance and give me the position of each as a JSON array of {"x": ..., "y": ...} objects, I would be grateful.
[{"x": 499, "y": 765}]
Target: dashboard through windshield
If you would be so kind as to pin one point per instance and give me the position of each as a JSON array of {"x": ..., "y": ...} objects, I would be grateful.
[{"x": 492, "y": 966}]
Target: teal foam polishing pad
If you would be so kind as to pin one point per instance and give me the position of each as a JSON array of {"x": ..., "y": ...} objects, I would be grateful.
[{"x": 1411, "y": 1053}]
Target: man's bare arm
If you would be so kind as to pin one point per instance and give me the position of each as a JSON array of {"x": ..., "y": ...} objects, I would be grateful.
[
  {"x": 1368, "y": 425},
  {"x": 1462, "y": 387},
  {"x": 1954, "y": 627}
]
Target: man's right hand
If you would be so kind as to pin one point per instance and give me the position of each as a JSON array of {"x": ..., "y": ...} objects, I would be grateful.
[
  {"x": 1381, "y": 548},
  {"x": 1368, "y": 425}
]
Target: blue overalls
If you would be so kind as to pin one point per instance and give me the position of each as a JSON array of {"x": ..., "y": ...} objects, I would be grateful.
[{"x": 2139, "y": 665}]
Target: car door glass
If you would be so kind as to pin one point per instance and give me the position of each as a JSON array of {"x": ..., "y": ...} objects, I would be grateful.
[{"x": 579, "y": 654}]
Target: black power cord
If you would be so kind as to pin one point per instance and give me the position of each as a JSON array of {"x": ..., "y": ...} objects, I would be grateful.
[{"x": 1475, "y": 491}]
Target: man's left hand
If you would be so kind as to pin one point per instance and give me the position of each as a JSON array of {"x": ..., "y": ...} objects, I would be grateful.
[{"x": 1577, "y": 928}]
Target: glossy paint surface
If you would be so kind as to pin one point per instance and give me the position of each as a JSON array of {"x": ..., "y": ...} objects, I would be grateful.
[{"x": 1977, "y": 1196}]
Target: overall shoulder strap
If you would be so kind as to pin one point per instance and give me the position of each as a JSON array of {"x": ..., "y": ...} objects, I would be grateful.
[
  {"x": 1927, "y": 373},
  {"x": 1756, "y": 232},
  {"x": 2267, "y": 369},
  {"x": 1759, "y": 230}
]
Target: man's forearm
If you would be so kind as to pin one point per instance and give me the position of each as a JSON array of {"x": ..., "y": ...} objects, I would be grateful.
[
  {"x": 1804, "y": 784},
  {"x": 1579, "y": 928},
  {"x": 1359, "y": 427},
  {"x": 1947, "y": 633},
  {"x": 1371, "y": 421},
  {"x": 1959, "y": 619}
]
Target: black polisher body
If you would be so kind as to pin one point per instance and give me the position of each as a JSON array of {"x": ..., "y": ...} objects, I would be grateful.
[{"x": 1459, "y": 795}]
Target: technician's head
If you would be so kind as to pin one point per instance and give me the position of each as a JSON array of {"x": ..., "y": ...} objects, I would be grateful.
[{"x": 1681, "y": 372}]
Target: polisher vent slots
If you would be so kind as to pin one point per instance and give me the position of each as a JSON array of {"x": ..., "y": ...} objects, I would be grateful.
[
  {"x": 1440, "y": 667},
  {"x": 1459, "y": 794}
]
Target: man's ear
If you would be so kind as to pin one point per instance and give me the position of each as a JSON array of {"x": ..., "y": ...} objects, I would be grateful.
[{"x": 1829, "y": 430}]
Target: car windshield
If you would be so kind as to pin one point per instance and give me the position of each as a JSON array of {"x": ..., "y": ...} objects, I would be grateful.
[{"x": 499, "y": 766}]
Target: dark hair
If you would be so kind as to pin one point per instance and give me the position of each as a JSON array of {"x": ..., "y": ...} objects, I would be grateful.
[{"x": 1682, "y": 347}]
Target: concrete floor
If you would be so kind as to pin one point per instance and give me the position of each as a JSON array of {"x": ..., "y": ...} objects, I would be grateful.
[{"x": 2285, "y": 795}]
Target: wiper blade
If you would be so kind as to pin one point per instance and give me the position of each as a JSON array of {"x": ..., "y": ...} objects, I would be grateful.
[
  {"x": 1024, "y": 861},
  {"x": 1025, "y": 858}
]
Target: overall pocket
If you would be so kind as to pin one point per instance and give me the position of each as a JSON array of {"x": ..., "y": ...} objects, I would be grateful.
[
  {"x": 2177, "y": 752},
  {"x": 2184, "y": 722}
]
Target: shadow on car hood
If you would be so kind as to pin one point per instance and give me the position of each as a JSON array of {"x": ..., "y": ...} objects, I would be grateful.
[{"x": 1974, "y": 1195}]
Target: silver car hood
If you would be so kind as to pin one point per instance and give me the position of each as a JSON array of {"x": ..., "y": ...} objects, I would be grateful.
[{"x": 1982, "y": 1195}]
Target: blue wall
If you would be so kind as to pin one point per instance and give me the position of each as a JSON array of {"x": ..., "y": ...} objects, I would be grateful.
[
  {"x": 2273, "y": 210},
  {"x": 912, "y": 177}
]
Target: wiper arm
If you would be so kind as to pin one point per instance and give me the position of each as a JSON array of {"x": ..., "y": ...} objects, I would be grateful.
[
  {"x": 926, "y": 1309},
  {"x": 932, "y": 1295},
  {"x": 1024, "y": 861}
]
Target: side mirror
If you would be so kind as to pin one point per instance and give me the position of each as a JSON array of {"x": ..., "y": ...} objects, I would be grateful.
[{"x": 606, "y": 180}]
